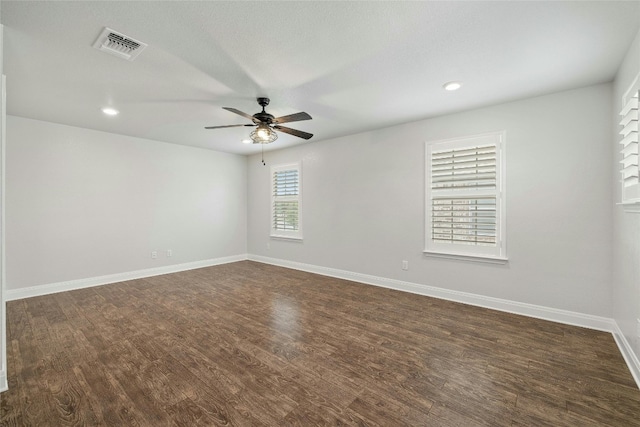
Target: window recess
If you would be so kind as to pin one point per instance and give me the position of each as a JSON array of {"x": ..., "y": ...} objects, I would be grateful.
[
  {"x": 286, "y": 201},
  {"x": 629, "y": 169},
  {"x": 465, "y": 197}
]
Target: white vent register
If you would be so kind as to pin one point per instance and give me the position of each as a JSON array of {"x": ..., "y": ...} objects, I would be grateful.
[{"x": 118, "y": 44}]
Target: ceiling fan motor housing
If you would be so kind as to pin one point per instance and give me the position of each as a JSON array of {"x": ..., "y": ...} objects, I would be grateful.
[{"x": 263, "y": 116}]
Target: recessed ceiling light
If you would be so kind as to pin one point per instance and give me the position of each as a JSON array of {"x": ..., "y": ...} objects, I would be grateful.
[
  {"x": 246, "y": 141},
  {"x": 452, "y": 86},
  {"x": 110, "y": 111}
]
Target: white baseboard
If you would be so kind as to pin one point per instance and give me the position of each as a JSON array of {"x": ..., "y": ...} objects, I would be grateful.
[
  {"x": 627, "y": 353},
  {"x": 540, "y": 312},
  {"x": 34, "y": 291},
  {"x": 530, "y": 310},
  {"x": 546, "y": 313}
]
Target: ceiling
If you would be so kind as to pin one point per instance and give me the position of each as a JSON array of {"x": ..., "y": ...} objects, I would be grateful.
[{"x": 353, "y": 66}]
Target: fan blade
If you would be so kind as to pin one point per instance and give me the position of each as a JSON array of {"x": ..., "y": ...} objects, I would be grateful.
[
  {"x": 227, "y": 126},
  {"x": 294, "y": 132},
  {"x": 233, "y": 110},
  {"x": 297, "y": 117}
]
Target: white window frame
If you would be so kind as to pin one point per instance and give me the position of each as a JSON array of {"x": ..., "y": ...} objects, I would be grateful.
[
  {"x": 629, "y": 146},
  {"x": 470, "y": 252},
  {"x": 286, "y": 234}
]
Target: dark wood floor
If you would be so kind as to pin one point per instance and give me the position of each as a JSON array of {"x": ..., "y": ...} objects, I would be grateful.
[{"x": 252, "y": 344}]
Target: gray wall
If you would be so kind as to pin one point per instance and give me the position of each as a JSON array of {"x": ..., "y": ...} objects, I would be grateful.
[
  {"x": 626, "y": 236},
  {"x": 83, "y": 203},
  {"x": 363, "y": 202}
]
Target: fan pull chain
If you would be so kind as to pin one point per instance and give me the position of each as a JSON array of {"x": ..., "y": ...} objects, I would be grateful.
[{"x": 263, "y": 163}]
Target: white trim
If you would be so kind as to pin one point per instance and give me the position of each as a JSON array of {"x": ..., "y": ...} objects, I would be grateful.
[
  {"x": 3, "y": 257},
  {"x": 277, "y": 237},
  {"x": 35, "y": 291},
  {"x": 631, "y": 206},
  {"x": 462, "y": 257},
  {"x": 631, "y": 89},
  {"x": 4, "y": 386},
  {"x": 432, "y": 247},
  {"x": 546, "y": 313},
  {"x": 630, "y": 192},
  {"x": 627, "y": 353},
  {"x": 286, "y": 234}
]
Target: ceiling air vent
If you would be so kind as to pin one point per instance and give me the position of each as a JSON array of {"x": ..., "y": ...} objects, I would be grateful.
[{"x": 118, "y": 44}]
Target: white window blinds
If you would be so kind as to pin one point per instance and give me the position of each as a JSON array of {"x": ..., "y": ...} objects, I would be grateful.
[
  {"x": 473, "y": 167},
  {"x": 463, "y": 220},
  {"x": 286, "y": 201},
  {"x": 629, "y": 142},
  {"x": 464, "y": 196}
]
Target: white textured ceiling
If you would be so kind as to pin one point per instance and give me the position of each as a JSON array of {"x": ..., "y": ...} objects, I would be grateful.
[{"x": 353, "y": 66}]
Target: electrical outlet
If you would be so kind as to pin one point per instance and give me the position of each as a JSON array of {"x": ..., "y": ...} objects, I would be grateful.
[
  {"x": 154, "y": 254},
  {"x": 405, "y": 265},
  {"x": 169, "y": 253}
]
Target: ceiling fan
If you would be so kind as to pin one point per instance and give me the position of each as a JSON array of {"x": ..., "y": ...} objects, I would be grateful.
[{"x": 265, "y": 124}]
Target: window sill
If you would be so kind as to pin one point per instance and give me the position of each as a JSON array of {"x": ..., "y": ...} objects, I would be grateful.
[
  {"x": 279, "y": 237},
  {"x": 472, "y": 258},
  {"x": 631, "y": 207}
]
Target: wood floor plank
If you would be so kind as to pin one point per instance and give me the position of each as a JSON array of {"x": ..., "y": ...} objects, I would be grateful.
[
  {"x": 107, "y": 401},
  {"x": 249, "y": 344},
  {"x": 389, "y": 411},
  {"x": 538, "y": 410},
  {"x": 222, "y": 405},
  {"x": 187, "y": 413},
  {"x": 445, "y": 416}
]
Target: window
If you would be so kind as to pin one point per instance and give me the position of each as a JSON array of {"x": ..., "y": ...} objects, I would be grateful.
[
  {"x": 629, "y": 145},
  {"x": 286, "y": 201},
  {"x": 464, "y": 198}
]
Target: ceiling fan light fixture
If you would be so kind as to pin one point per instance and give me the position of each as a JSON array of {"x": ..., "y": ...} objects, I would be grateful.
[
  {"x": 263, "y": 134},
  {"x": 267, "y": 125}
]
